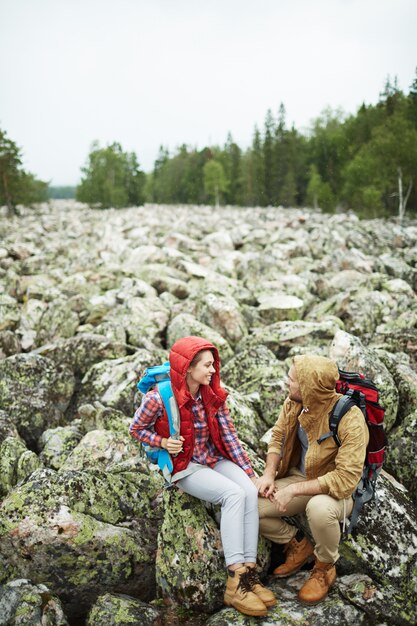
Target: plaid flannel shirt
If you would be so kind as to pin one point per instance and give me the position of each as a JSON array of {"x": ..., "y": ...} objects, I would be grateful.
[{"x": 205, "y": 452}]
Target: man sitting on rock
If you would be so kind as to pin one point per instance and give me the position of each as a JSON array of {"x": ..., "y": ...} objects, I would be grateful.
[{"x": 302, "y": 475}]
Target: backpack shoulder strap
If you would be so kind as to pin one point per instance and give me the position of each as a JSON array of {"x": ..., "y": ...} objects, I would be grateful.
[
  {"x": 165, "y": 390},
  {"x": 158, "y": 376},
  {"x": 342, "y": 406}
]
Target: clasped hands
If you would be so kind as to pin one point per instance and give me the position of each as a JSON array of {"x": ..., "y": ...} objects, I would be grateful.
[{"x": 267, "y": 489}]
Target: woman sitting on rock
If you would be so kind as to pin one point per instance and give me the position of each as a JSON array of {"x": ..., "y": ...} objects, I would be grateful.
[{"x": 210, "y": 463}]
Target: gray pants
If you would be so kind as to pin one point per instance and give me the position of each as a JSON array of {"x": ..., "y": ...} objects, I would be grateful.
[{"x": 228, "y": 485}]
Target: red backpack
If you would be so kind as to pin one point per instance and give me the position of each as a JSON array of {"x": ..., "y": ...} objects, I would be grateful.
[{"x": 362, "y": 392}]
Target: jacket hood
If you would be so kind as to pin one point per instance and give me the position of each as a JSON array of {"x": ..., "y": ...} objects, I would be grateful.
[
  {"x": 317, "y": 376},
  {"x": 182, "y": 353}
]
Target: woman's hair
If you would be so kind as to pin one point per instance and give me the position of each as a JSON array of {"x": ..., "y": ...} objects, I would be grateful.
[{"x": 198, "y": 356}]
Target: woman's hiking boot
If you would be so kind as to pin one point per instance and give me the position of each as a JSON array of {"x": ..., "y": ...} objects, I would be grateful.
[
  {"x": 317, "y": 586},
  {"x": 240, "y": 596},
  {"x": 259, "y": 589},
  {"x": 298, "y": 551}
]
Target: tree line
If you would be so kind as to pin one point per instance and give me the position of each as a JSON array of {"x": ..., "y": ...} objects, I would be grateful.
[{"x": 365, "y": 161}]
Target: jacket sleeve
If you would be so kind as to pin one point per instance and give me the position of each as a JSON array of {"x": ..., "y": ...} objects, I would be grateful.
[
  {"x": 353, "y": 433},
  {"x": 142, "y": 426},
  {"x": 279, "y": 430}
]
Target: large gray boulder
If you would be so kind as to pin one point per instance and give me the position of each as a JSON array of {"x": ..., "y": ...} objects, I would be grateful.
[
  {"x": 23, "y": 603},
  {"x": 401, "y": 456},
  {"x": 112, "y": 382},
  {"x": 114, "y": 609},
  {"x": 257, "y": 373},
  {"x": 35, "y": 393},
  {"x": 85, "y": 533}
]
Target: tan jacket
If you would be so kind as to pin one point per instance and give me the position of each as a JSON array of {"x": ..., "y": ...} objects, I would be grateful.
[{"x": 338, "y": 469}]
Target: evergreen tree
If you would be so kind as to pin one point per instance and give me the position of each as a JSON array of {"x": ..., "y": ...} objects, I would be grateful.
[
  {"x": 112, "y": 178},
  {"x": 231, "y": 159},
  {"x": 253, "y": 172},
  {"x": 268, "y": 158},
  {"x": 16, "y": 185}
]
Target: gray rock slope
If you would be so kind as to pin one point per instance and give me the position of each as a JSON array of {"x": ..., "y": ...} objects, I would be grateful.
[{"x": 88, "y": 299}]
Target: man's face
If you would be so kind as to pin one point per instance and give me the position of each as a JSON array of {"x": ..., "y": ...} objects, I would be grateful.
[{"x": 294, "y": 392}]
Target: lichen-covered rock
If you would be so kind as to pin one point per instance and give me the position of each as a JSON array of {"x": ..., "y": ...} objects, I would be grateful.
[
  {"x": 81, "y": 352},
  {"x": 248, "y": 423},
  {"x": 58, "y": 320},
  {"x": 401, "y": 456},
  {"x": 35, "y": 393},
  {"x": 144, "y": 320},
  {"x": 282, "y": 337},
  {"x": 280, "y": 307},
  {"x": 385, "y": 545},
  {"x": 350, "y": 354},
  {"x": 113, "y": 609},
  {"x": 16, "y": 463},
  {"x": 190, "y": 566},
  {"x": 405, "y": 379},
  {"x": 56, "y": 444},
  {"x": 113, "y": 382},
  {"x": 7, "y": 426},
  {"x": 101, "y": 449},
  {"x": 23, "y": 603},
  {"x": 95, "y": 416},
  {"x": 9, "y": 313},
  {"x": 85, "y": 533},
  {"x": 378, "y": 601},
  {"x": 256, "y": 372},
  {"x": 185, "y": 324},
  {"x": 9, "y": 344},
  {"x": 223, "y": 315}
]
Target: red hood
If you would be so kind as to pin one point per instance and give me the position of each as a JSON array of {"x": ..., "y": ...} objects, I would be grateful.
[{"x": 182, "y": 353}]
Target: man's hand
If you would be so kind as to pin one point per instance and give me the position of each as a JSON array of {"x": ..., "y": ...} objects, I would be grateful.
[
  {"x": 265, "y": 485},
  {"x": 282, "y": 497}
]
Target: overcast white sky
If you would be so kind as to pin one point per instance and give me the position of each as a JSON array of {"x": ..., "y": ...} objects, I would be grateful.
[{"x": 152, "y": 72}]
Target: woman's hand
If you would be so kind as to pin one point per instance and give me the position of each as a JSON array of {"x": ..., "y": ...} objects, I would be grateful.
[{"x": 174, "y": 446}]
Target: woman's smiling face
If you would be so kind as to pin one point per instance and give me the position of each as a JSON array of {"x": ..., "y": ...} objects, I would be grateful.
[{"x": 201, "y": 372}]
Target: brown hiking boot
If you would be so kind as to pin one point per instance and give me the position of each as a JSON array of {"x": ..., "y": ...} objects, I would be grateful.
[
  {"x": 297, "y": 553},
  {"x": 317, "y": 587},
  {"x": 259, "y": 589},
  {"x": 240, "y": 596}
]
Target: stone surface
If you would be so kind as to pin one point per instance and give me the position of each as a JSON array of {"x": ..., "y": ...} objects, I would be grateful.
[{"x": 89, "y": 299}]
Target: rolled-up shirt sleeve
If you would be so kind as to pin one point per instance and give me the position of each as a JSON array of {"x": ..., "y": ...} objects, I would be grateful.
[
  {"x": 231, "y": 441},
  {"x": 142, "y": 427}
]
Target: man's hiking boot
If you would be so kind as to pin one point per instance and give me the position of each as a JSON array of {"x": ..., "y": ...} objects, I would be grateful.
[
  {"x": 240, "y": 596},
  {"x": 317, "y": 586},
  {"x": 259, "y": 589},
  {"x": 298, "y": 551}
]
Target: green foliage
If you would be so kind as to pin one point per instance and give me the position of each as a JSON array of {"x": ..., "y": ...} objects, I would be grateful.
[
  {"x": 215, "y": 183},
  {"x": 16, "y": 185},
  {"x": 112, "y": 178}
]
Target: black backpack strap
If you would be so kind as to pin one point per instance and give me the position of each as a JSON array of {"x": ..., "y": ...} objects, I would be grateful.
[
  {"x": 342, "y": 406},
  {"x": 365, "y": 492}
]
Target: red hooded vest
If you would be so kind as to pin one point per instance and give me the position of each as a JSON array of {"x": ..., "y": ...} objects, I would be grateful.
[{"x": 182, "y": 353}]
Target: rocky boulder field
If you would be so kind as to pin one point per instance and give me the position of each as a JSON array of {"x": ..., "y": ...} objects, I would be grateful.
[{"x": 88, "y": 299}]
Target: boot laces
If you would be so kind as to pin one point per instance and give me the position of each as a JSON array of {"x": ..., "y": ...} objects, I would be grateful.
[
  {"x": 253, "y": 577},
  {"x": 320, "y": 574},
  {"x": 245, "y": 583}
]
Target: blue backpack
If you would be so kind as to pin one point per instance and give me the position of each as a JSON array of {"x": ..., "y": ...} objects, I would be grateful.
[{"x": 158, "y": 376}]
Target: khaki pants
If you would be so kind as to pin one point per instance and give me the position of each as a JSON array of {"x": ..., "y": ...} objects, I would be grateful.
[{"x": 323, "y": 515}]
